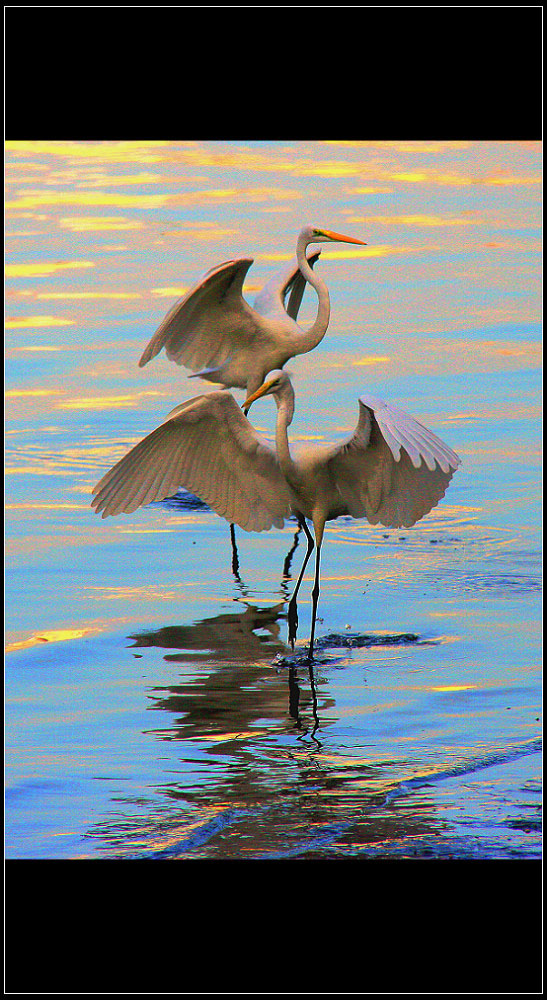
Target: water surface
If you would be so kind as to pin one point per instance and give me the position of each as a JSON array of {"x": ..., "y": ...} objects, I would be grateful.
[{"x": 152, "y": 709}]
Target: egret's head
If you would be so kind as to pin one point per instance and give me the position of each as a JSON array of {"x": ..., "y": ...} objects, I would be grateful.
[
  {"x": 312, "y": 234},
  {"x": 277, "y": 384}
]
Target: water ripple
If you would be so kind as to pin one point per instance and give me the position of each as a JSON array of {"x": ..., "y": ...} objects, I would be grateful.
[{"x": 467, "y": 766}]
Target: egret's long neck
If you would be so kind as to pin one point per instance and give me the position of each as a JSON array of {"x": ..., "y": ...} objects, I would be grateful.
[
  {"x": 310, "y": 338},
  {"x": 285, "y": 412}
]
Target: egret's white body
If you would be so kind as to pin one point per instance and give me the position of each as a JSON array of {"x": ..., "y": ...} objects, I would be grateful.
[
  {"x": 391, "y": 470},
  {"x": 215, "y": 333}
]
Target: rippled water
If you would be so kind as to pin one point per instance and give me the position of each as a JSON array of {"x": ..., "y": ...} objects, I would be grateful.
[{"x": 153, "y": 709}]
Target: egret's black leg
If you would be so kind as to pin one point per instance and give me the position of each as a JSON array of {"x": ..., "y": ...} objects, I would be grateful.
[
  {"x": 235, "y": 557},
  {"x": 288, "y": 558},
  {"x": 314, "y": 703},
  {"x": 314, "y": 597},
  {"x": 292, "y": 613},
  {"x": 294, "y": 696}
]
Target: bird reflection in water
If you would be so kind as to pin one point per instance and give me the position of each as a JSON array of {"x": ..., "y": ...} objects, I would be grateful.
[
  {"x": 233, "y": 637},
  {"x": 235, "y": 680}
]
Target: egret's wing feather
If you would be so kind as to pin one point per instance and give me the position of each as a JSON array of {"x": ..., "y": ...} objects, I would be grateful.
[
  {"x": 393, "y": 470},
  {"x": 271, "y": 299},
  {"x": 208, "y": 324},
  {"x": 207, "y": 446}
]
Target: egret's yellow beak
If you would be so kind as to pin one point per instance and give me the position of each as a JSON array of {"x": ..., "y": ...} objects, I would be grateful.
[
  {"x": 339, "y": 238},
  {"x": 264, "y": 389}
]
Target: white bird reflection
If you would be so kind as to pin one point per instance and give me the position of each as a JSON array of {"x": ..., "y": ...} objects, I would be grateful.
[{"x": 233, "y": 661}]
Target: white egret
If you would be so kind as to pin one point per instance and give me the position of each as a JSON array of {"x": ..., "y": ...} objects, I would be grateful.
[
  {"x": 215, "y": 333},
  {"x": 391, "y": 470}
]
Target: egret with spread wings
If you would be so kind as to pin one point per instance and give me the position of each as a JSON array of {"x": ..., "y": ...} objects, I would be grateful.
[
  {"x": 392, "y": 470},
  {"x": 215, "y": 333}
]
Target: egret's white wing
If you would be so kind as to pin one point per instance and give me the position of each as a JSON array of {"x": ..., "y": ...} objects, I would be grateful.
[
  {"x": 208, "y": 324},
  {"x": 271, "y": 299},
  {"x": 393, "y": 470},
  {"x": 207, "y": 446}
]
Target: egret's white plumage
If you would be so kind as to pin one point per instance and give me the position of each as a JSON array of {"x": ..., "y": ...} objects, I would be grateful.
[
  {"x": 391, "y": 470},
  {"x": 213, "y": 331},
  {"x": 271, "y": 300},
  {"x": 207, "y": 446}
]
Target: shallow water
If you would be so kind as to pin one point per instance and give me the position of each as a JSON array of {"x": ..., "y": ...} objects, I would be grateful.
[{"x": 153, "y": 708}]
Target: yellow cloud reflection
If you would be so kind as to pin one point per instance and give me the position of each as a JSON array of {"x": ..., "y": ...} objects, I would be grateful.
[
  {"x": 200, "y": 231},
  {"x": 89, "y": 295},
  {"x": 432, "y": 175},
  {"x": 146, "y": 531},
  {"x": 120, "y": 180},
  {"x": 509, "y": 180},
  {"x": 129, "y": 593},
  {"x": 105, "y": 402},
  {"x": 56, "y": 635},
  {"x": 98, "y": 223},
  {"x": 170, "y": 292},
  {"x": 40, "y": 347},
  {"x": 327, "y": 168},
  {"x": 142, "y": 151},
  {"x": 403, "y": 146},
  {"x": 17, "y": 393},
  {"x": 45, "y": 506},
  {"x": 224, "y": 737},
  {"x": 413, "y": 220},
  {"x": 376, "y": 251},
  {"x": 370, "y": 189},
  {"x": 36, "y": 198},
  {"x": 454, "y": 687},
  {"x": 371, "y": 360},
  {"x": 26, "y": 322},
  {"x": 43, "y": 268},
  {"x": 35, "y": 470},
  {"x": 32, "y": 199}
]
